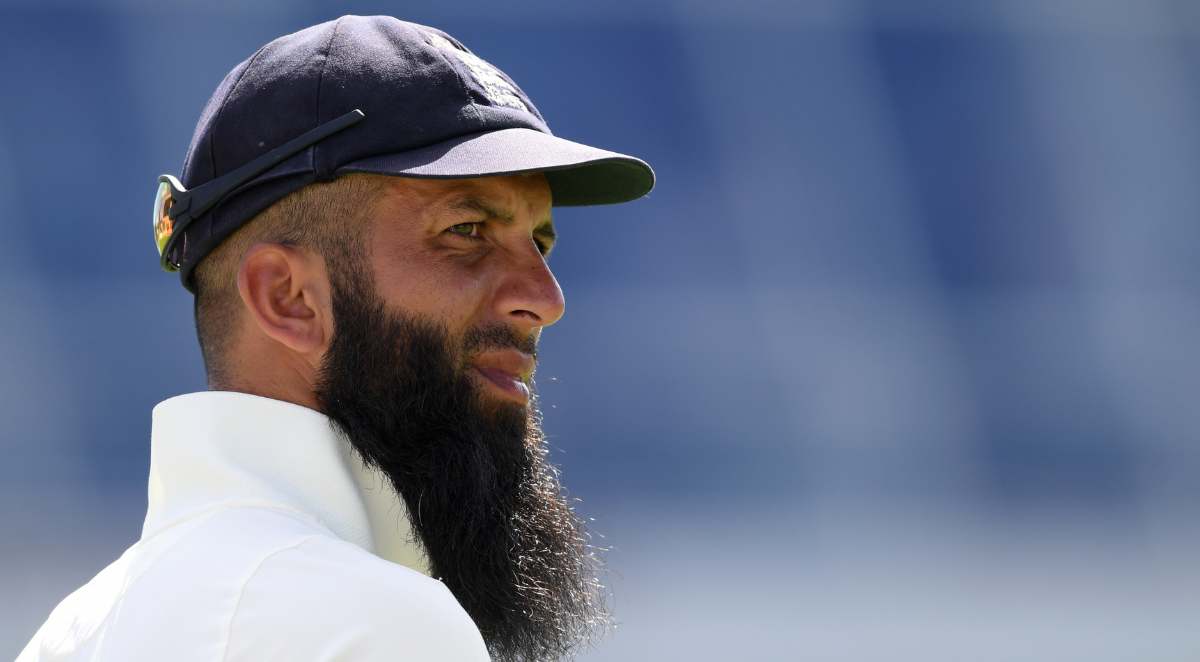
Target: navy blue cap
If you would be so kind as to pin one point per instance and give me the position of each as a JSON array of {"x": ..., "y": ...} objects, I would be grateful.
[{"x": 432, "y": 110}]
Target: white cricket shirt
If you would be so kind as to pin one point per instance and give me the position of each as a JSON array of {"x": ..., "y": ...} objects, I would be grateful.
[{"x": 266, "y": 539}]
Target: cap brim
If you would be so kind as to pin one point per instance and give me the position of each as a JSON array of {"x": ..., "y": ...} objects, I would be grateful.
[{"x": 578, "y": 175}]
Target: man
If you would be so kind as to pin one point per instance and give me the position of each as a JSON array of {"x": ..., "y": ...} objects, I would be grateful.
[{"x": 363, "y": 217}]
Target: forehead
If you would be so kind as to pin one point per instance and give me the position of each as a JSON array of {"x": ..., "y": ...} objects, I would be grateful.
[{"x": 521, "y": 197}]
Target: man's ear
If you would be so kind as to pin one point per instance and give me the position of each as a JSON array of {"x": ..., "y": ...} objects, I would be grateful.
[{"x": 286, "y": 290}]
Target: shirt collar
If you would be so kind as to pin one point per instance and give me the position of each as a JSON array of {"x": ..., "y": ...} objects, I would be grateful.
[{"x": 221, "y": 449}]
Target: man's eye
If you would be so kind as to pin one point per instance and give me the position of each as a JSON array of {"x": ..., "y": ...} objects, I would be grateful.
[{"x": 464, "y": 229}]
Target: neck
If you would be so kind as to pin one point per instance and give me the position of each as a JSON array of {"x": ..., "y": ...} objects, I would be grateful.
[{"x": 265, "y": 367}]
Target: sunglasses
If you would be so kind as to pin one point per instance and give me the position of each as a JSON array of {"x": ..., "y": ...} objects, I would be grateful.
[{"x": 175, "y": 207}]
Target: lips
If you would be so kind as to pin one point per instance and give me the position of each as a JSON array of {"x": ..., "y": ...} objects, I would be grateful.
[
  {"x": 508, "y": 371},
  {"x": 512, "y": 386}
]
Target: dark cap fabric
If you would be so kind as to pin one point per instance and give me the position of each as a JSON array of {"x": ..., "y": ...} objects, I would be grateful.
[{"x": 432, "y": 110}]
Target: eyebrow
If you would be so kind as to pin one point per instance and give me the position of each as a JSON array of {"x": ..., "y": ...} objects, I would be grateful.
[{"x": 481, "y": 206}]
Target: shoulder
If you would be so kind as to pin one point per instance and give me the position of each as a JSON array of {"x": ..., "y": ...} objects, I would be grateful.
[
  {"x": 170, "y": 596},
  {"x": 326, "y": 599},
  {"x": 257, "y": 583}
]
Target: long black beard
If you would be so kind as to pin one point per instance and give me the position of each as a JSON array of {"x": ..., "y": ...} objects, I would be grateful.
[{"x": 487, "y": 508}]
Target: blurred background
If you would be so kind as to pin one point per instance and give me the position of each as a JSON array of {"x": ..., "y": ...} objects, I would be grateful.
[{"x": 899, "y": 361}]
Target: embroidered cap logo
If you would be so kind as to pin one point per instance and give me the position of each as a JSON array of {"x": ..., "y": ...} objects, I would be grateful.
[{"x": 499, "y": 91}]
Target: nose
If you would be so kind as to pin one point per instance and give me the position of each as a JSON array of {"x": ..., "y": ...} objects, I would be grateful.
[{"x": 528, "y": 296}]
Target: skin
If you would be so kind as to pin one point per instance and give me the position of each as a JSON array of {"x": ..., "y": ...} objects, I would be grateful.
[{"x": 467, "y": 252}]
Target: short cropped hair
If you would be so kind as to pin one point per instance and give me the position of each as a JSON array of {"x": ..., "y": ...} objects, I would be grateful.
[{"x": 329, "y": 219}]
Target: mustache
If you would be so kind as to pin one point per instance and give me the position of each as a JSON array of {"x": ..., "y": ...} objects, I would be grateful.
[{"x": 497, "y": 336}]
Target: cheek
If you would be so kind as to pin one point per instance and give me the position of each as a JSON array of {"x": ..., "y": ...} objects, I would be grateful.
[{"x": 434, "y": 286}]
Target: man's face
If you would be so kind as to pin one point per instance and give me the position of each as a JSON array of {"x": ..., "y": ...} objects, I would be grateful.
[
  {"x": 429, "y": 372},
  {"x": 470, "y": 253}
]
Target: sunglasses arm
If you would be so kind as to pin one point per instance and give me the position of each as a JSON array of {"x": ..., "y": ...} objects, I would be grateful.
[{"x": 190, "y": 205}]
